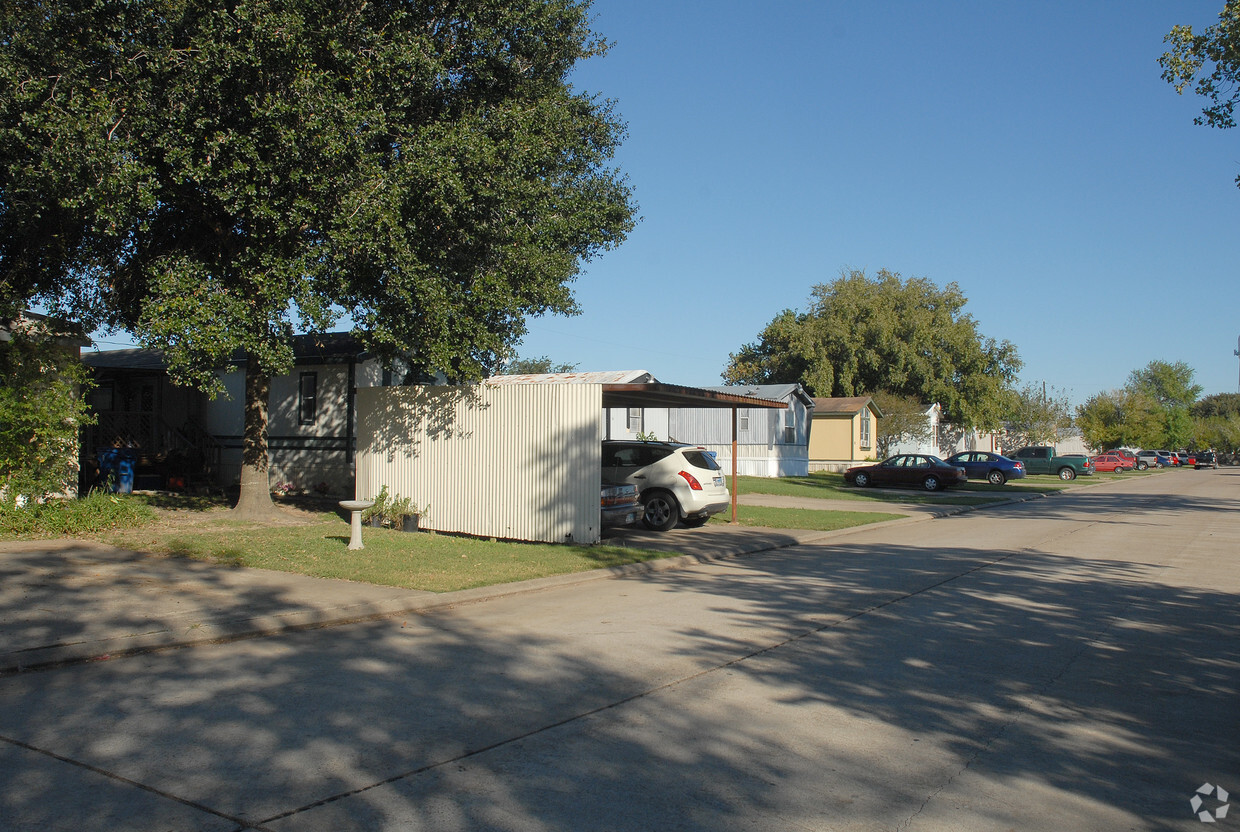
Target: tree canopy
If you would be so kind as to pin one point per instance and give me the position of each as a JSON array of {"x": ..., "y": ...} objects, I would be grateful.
[
  {"x": 1211, "y": 59},
  {"x": 533, "y": 366},
  {"x": 1121, "y": 418},
  {"x": 862, "y": 335},
  {"x": 214, "y": 176},
  {"x": 1220, "y": 404},
  {"x": 1036, "y": 415},
  {"x": 1168, "y": 383},
  {"x": 1153, "y": 410},
  {"x": 904, "y": 420}
]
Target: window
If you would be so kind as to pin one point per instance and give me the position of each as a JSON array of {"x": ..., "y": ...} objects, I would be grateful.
[
  {"x": 102, "y": 397},
  {"x": 790, "y": 427},
  {"x": 635, "y": 420},
  {"x": 865, "y": 428},
  {"x": 742, "y": 419},
  {"x": 307, "y": 398}
]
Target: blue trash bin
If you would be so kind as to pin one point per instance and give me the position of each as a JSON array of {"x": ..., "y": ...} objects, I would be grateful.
[
  {"x": 124, "y": 469},
  {"x": 108, "y": 473}
]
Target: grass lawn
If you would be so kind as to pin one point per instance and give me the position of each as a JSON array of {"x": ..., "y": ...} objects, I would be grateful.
[
  {"x": 312, "y": 539},
  {"x": 799, "y": 518},
  {"x": 316, "y": 544}
]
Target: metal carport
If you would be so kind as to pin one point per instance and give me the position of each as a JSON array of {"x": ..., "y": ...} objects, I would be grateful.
[
  {"x": 502, "y": 459},
  {"x": 657, "y": 394}
]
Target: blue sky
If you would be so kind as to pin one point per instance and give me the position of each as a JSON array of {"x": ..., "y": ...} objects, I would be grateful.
[{"x": 1029, "y": 152}]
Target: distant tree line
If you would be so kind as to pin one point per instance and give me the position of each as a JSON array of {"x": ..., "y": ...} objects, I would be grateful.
[{"x": 908, "y": 343}]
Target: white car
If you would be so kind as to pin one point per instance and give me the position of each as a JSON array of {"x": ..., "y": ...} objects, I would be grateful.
[{"x": 675, "y": 483}]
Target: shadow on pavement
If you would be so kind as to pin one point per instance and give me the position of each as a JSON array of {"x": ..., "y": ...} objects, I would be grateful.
[{"x": 986, "y": 655}]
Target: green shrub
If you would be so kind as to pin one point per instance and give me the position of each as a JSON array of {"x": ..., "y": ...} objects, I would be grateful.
[
  {"x": 97, "y": 512},
  {"x": 42, "y": 408}
]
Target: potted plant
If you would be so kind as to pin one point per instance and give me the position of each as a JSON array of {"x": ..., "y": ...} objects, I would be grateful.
[
  {"x": 403, "y": 513},
  {"x": 374, "y": 516},
  {"x": 393, "y": 510}
]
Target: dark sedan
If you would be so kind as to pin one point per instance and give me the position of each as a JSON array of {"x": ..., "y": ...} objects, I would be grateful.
[
  {"x": 983, "y": 465},
  {"x": 917, "y": 470}
]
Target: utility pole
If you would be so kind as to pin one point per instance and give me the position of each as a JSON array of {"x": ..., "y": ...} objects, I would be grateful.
[{"x": 1237, "y": 352}]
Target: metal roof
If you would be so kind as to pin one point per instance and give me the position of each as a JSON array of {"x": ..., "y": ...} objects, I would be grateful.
[
  {"x": 766, "y": 391},
  {"x": 600, "y": 377},
  {"x": 657, "y": 394},
  {"x": 638, "y": 388},
  {"x": 845, "y": 405}
]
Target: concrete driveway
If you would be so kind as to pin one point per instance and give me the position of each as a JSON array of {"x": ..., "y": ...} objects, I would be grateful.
[{"x": 1067, "y": 663}]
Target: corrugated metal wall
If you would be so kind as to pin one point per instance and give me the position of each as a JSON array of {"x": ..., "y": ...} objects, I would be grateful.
[{"x": 520, "y": 461}]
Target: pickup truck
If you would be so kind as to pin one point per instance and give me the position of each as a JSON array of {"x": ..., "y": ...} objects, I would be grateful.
[{"x": 1043, "y": 460}]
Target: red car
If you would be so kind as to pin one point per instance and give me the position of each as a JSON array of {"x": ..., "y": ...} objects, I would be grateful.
[
  {"x": 1111, "y": 462},
  {"x": 1129, "y": 457}
]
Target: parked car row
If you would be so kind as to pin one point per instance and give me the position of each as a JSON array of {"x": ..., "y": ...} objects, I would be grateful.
[
  {"x": 1146, "y": 459},
  {"x": 665, "y": 483}
]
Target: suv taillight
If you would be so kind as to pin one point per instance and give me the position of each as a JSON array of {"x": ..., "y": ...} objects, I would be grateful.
[{"x": 692, "y": 480}]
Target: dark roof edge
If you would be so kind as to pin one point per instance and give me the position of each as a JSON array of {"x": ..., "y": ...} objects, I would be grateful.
[{"x": 658, "y": 394}]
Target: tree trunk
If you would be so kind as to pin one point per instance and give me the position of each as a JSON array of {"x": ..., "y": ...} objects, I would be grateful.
[{"x": 255, "y": 501}]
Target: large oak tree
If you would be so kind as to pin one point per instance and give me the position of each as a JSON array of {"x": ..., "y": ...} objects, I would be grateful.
[
  {"x": 862, "y": 335},
  {"x": 215, "y": 175}
]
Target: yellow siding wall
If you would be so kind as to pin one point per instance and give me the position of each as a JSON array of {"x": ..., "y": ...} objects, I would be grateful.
[
  {"x": 838, "y": 437},
  {"x": 831, "y": 437}
]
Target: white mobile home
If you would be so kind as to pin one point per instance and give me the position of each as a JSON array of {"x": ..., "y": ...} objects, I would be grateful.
[{"x": 769, "y": 443}]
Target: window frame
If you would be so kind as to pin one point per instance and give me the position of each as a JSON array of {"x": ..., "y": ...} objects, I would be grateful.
[
  {"x": 634, "y": 419},
  {"x": 308, "y": 402}
]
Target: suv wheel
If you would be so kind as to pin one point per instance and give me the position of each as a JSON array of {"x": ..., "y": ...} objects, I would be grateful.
[
  {"x": 1141, "y": 466},
  {"x": 661, "y": 511}
]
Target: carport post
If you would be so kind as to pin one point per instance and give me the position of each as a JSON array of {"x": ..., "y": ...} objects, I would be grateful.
[{"x": 733, "y": 464}]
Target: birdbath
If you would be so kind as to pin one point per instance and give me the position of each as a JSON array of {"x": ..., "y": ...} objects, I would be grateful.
[{"x": 355, "y": 524}]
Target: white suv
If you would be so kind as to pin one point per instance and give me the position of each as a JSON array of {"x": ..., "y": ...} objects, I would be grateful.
[{"x": 675, "y": 482}]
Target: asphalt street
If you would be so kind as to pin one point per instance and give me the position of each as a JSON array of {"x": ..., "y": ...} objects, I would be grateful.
[{"x": 1069, "y": 663}]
